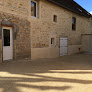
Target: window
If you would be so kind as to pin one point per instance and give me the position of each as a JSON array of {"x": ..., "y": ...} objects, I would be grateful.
[
  {"x": 33, "y": 8},
  {"x": 6, "y": 37},
  {"x": 73, "y": 23},
  {"x": 55, "y": 18},
  {"x": 52, "y": 41}
]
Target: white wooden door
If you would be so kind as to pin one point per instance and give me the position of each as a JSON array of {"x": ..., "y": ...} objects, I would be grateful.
[
  {"x": 7, "y": 43},
  {"x": 63, "y": 46}
]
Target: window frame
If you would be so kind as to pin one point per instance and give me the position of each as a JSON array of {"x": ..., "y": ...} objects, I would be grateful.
[
  {"x": 52, "y": 41},
  {"x": 36, "y": 8},
  {"x": 6, "y": 43},
  {"x": 54, "y": 18},
  {"x": 74, "y": 24}
]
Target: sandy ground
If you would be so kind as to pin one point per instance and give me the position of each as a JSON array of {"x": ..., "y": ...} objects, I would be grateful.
[{"x": 65, "y": 74}]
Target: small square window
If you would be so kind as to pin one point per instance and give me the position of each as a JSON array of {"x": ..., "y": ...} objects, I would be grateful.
[
  {"x": 73, "y": 23},
  {"x": 55, "y": 18},
  {"x": 52, "y": 41}
]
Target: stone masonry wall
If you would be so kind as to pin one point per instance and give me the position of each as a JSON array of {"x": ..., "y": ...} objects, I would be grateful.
[
  {"x": 22, "y": 46},
  {"x": 18, "y": 10},
  {"x": 43, "y": 28},
  {"x": 17, "y": 7}
]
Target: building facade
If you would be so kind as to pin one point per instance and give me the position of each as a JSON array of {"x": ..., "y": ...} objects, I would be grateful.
[{"x": 42, "y": 29}]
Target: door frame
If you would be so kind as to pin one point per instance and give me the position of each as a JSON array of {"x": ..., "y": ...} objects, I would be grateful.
[
  {"x": 67, "y": 44},
  {"x": 6, "y": 27}
]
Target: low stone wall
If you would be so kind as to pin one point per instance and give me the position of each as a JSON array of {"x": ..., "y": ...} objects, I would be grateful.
[
  {"x": 72, "y": 49},
  {"x": 52, "y": 52},
  {"x": 37, "y": 53}
]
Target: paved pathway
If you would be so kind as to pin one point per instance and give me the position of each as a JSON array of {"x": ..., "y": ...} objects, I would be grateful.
[{"x": 65, "y": 74}]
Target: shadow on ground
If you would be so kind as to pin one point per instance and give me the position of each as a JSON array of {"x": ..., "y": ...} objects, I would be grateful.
[{"x": 21, "y": 73}]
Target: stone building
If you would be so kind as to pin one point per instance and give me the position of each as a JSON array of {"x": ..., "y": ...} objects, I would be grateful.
[{"x": 43, "y": 29}]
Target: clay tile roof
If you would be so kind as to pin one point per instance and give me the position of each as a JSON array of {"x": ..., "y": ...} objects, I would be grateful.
[{"x": 72, "y": 6}]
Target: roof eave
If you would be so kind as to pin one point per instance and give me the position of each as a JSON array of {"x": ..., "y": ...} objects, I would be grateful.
[{"x": 88, "y": 16}]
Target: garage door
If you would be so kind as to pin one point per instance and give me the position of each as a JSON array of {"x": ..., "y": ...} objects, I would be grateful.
[{"x": 63, "y": 46}]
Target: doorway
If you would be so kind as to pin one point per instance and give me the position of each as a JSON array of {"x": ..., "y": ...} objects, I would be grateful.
[
  {"x": 7, "y": 43},
  {"x": 63, "y": 46}
]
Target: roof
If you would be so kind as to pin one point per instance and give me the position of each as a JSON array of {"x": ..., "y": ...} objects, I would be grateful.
[{"x": 72, "y": 6}]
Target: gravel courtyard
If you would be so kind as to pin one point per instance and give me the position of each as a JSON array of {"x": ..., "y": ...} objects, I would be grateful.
[{"x": 65, "y": 74}]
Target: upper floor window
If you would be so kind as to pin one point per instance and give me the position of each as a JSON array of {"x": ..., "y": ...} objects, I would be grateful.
[
  {"x": 33, "y": 8},
  {"x": 73, "y": 23},
  {"x": 55, "y": 18}
]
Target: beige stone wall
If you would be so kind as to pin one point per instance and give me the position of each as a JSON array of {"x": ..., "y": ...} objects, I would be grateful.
[
  {"x": 74, "y": 49},
  {"x": 18, "y": 11},
  {"x": 86, "y": 43},
  {"x": 17, "y": 7},
  {"x": 22, "y": 48},
  {"x": 44, "y": 53},
  {"x": 43, "y": 28},
  {"x": 39, "y": 31}
]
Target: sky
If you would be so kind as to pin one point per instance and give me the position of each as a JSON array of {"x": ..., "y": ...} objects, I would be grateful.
[{"x": 86, "y": 4}]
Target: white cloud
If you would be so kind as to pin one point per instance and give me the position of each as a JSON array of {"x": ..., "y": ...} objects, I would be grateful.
[{"x": 91, "y": 12}]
